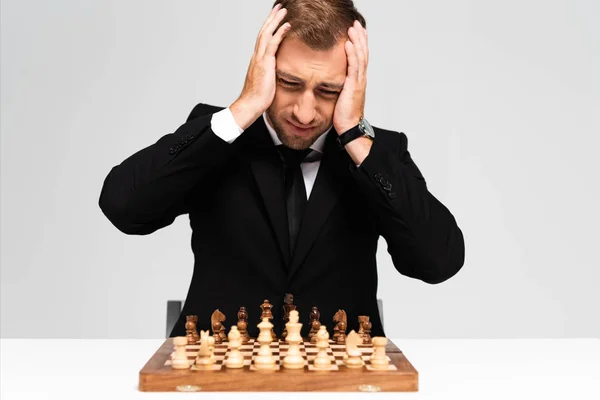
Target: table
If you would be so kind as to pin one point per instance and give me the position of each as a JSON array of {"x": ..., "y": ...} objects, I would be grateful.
[{"x": 448, "y": 369}]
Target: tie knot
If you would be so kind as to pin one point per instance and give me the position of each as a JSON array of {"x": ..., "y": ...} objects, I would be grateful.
[{"x": 292, "y": 157}]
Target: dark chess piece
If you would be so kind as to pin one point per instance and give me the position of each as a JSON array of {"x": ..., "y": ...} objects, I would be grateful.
[
  {"x": 195, "y": 332},
  {"x": 341, "y": 339},
  {"x": 287, "y": 307},
  {"x": 364, "y": 329},
  {"x": 341, "y": 322},
  {"x": 216, "y": 322},
  {"x": 190, "y": 329},
  {"x": 242, "y": 325},
  {"x": 315, "y": 324},
  {"x": 267, "y": 312}
]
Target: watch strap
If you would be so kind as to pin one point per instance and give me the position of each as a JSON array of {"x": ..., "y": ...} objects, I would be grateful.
[{"x": 349, "y": 135}]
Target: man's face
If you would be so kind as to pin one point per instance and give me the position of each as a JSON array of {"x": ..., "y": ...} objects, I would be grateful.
[{"x": 308, "y": 85}]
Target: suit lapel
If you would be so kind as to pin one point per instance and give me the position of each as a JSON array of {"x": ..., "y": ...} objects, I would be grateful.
[{"x": 333, "y": 172}]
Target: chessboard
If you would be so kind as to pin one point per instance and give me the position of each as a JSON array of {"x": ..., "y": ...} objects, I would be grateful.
[{"x": 157, "y": 374}]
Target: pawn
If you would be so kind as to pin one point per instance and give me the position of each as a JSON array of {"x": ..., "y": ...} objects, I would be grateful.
[
  {"x": 341, "y": 338},
  {"x": 379, "y": 359},
  {"x": 365, "y": 329},
  {"x": 179, "y": 359},
  {"x": 242, "y": 324},
  {"x": 190, "y": 329},
  {"x": 322, "y": 360},
  {"x": 216, "y": 328},
  {"x": 235, "y": 358},
  {"x": 315, "y": 324}
]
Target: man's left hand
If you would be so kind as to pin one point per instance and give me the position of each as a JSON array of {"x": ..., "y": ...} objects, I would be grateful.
[{"x": 350, "y": 105}]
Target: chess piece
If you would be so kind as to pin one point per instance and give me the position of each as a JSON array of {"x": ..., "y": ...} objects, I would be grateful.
[
  {"x": 293, "y": 359},
  {"x": 364, "y": 329},
  {"x": 205, "y": 357},
  {"x": 341, "y": 322},
  {"x": 264, "y": 359},
  {"x": 288, "y": 306},
  {"x": 322, "y": 360},
  {"x": 222, "y": 333},
  {"x": 242, "y": 324},
  {"x": 216, "y": 322},
  {"x": 315, "y": 324},
  {"x": 195, "y": 330},
  {"x": 353, "y": 357},
  {"x": 379, "y": 359},
  {"x": 341, "y": 339},
  {"x": 190, "y": 329},
  {"x": 267, "y": 312},
  {"x": 179, "y": 359},
  {"x": 235, "y": 359}
]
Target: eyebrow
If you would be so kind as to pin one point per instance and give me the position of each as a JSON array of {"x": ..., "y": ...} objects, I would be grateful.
[{"x": 329, "y": 85}]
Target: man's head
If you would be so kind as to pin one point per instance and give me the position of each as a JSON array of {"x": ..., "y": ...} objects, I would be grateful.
[{"x": 311, "y": 68}]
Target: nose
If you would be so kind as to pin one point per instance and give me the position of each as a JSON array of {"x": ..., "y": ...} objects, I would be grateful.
[{"x": 305, "y": 108}]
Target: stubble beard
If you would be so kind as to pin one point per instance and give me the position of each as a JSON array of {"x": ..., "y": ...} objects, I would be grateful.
[{"x": 288, "y": 139}]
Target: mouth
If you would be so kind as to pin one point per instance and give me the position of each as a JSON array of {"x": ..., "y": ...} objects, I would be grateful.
[{"x": 299, "y": 129}]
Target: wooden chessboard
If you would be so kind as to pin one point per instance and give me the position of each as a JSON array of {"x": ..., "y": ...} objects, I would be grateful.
[{"x": 158, "y": 376}]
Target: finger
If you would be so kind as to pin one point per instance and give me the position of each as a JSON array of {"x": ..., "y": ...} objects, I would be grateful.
[
  {"x": 362, "y": 35},
  {"x": 271, "y": 15},
  {"x": 267, "y": 21},
  {"x": 267, "y": 34},
  {"x": 277, "y": 39},
  {"x": 360, "y": 55},
  {"x": 352, "y": 61}
]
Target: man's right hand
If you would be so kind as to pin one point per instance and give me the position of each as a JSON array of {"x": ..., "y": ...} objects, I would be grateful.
[{"x": 259, "y": 87}]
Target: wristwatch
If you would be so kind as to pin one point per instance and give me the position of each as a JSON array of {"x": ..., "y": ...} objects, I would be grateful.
[{"x": 363, "y": 129}]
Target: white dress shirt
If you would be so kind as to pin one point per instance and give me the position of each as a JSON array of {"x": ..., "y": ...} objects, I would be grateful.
[{"x": 224, "y": 126}]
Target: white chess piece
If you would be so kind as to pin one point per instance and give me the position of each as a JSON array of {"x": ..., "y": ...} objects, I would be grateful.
[
  {"x": 205, "y": 357},
  {"x": 322, "y": 360},
  {"x": 379, "y": 359},
  {"x": 293, "y": 359},
  {"x": 235, "y": 358},
  {"x": 265, "y": 359},
  {"x": 179, "y": 360},
  {"x": 353, "y": 353}
]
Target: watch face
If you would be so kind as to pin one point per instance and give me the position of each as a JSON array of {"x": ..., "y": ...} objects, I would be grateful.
[{"x": 366, "y": 128}]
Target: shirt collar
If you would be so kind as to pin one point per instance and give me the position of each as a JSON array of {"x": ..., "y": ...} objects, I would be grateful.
[{"x": 318, "y": 145}]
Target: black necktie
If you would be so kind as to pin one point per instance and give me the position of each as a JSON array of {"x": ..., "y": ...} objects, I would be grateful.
[{"x": 295, "y": 192}]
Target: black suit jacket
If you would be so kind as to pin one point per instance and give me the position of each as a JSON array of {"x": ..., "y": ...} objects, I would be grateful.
[{"x": 233, "y": 194}]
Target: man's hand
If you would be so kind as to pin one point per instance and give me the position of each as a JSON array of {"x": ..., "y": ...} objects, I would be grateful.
[
  {"x": 351, "y": 102},
  {"x": 259, "y": 87}
]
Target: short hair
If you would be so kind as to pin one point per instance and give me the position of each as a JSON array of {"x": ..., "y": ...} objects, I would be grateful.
[{"x": 320, "y": 24}]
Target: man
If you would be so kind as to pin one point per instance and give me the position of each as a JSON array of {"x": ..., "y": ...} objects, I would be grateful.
[{"x": 244, "y": 174}]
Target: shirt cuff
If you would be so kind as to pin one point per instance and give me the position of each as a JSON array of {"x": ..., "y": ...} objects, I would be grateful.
[{"x": 224, "y": 126}]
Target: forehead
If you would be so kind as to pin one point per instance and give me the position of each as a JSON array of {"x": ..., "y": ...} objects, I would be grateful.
[{"x": 296, "y": 58}]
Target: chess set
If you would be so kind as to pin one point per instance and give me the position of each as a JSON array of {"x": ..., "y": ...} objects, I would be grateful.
[{"x": 236, "y": 362}]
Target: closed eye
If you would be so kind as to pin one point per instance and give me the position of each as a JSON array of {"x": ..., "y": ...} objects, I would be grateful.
[
  {"x": 288, "y": 83},
  {"x": 296, "y": 85}
]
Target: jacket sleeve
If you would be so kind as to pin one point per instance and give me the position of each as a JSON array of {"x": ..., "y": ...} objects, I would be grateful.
[
  {"x": 148, "y": 190},
  {"x": 423, "y": 237}
]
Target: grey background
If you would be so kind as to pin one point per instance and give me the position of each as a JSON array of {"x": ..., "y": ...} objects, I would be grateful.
[{"x": 500, "y": 101}]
